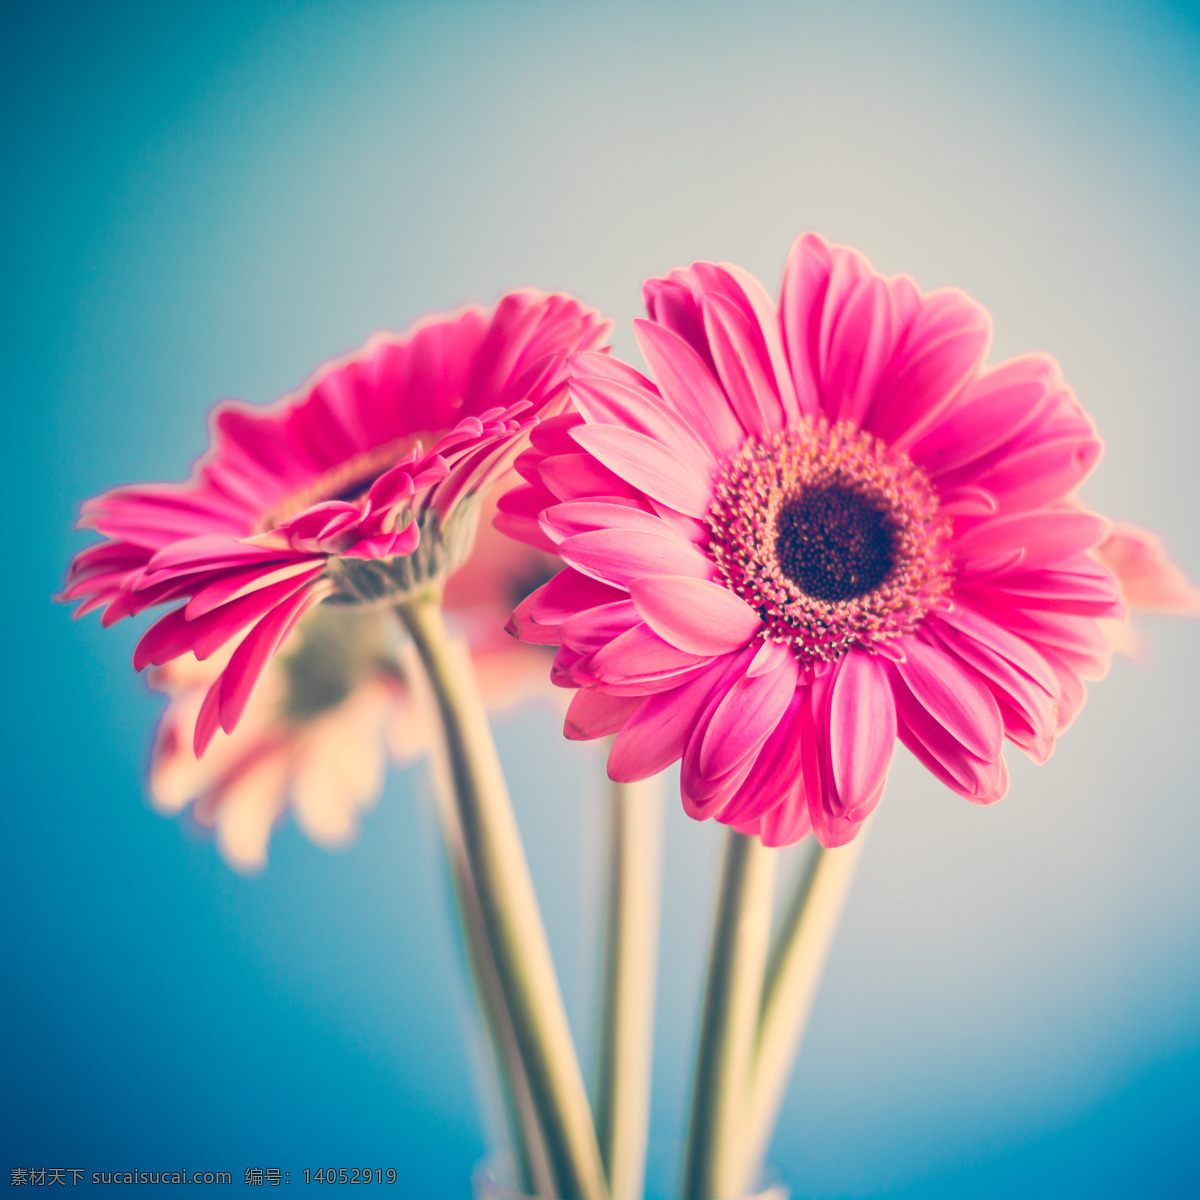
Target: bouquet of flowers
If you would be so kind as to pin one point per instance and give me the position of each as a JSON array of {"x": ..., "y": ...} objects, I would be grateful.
[{"x": 814, "y": 528}]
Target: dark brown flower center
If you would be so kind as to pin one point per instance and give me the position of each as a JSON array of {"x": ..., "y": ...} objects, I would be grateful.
[{"x": 834, "y": 543}]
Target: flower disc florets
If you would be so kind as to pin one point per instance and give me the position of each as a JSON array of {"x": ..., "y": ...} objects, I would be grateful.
[{"x": 833, "y": 537}]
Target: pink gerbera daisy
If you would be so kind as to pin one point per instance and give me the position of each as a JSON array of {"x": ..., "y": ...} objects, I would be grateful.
[
  {"x": 331, "y": 704},
  {"x": 359, "y": 488},
  {"x": 821, "y": 528}
]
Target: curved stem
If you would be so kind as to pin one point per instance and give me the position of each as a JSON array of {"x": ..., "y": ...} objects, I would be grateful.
[
  {"x": 729, "y": 1020},
  {"x": 797, "y": 959},
  {"x": 508, "y": 905},
  {"x": 627, "y": 1013}
]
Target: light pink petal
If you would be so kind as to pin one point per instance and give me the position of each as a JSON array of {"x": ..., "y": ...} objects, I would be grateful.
[
  {"x": 649, "y": 466},
  {"x": 694, "y": 614},
  {"x": 581, "y": 477},
  {"x": 561, "y": 521},
  {"x": 594, "y": 714},
  {"x": 620, "y": 556},
  {"x": 688, "y": 386},
  {"x": 517, "y": 515},
  {"x": 954, "y": 697},
  {"x": 611, "y": 402},
  {"x": 637, "y": 656},
  {"x": 587, "y": 631},
  {"x": 862, "y": 729},
  {"x": 1150, "y": 581}
]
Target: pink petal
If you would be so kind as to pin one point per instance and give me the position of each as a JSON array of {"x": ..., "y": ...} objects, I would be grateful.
[
  {"x": 619, "y": 556},
  {"x": 746, "y": 717},
  {"x": 953, "y": 696},
  {"x": 862, "y": 729},
  {"x": 776, "y": 771},
  {"x": 789, "y": 821},
  {"x": 1080, "y": 587},
  {"x": 255, "y": 651},
  {"x": 991, "y": 411},
  {"x": 1044, "y": 538},
  {"x": 743, "y": 367},
  {"x": 580, "y": 476},
  {"x": 942, "y": 349},
  {"x": 587, "y": 631},
  {"x": 610, "y": 402},
  {"x": 648, "y": 465},
  {"x": 981, "y": 780},
  {"x": 1042, "y": 473},
  {"x": 561, "y": 521},
  {"x": 594, "y": 714},
  {"x": 656, "y": 735},
  {"x": 694, "y": 614},
  {"x": 637, "y": 656},
  {"x": 689, "y": 388}
]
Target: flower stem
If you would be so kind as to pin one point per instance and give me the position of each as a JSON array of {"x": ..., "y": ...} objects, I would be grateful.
[
  {"x": 627, "y": 1013},
  {"x": 729, "y": 1020},
  {"x": 797, "y": 958},
  {"x": 525, "y": 1135},
  {"x": 508, "y": 905}
]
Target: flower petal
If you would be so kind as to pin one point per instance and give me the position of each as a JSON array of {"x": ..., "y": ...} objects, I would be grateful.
[
  {"x": 619, "y": 556},
  {"x": 694, "y": 614},
  {"x": 648, "y": 465}
]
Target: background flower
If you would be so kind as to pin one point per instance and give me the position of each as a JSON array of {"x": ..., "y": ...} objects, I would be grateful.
[
  {"x": 819, "y": 530},
  {"x": 358, "y": 486},
  {"x": 1150, "y": 582},
  {"x": 332, "y": 703}
]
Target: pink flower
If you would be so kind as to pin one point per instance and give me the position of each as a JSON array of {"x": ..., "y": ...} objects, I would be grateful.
[
  {"x": 356, "y": 489},
  {"x": 331, "y": 704},
  {"x": 822, "y": 528},
  {"x": 1150, "y": 582}
]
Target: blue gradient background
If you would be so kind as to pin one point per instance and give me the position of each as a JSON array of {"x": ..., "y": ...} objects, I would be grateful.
[{"x": 207, "y": 200}]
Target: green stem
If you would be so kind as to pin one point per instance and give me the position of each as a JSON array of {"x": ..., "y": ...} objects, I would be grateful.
[
  {"x": 627, "y": 1012},
  {"x": 508, "y": 906},
  {"x": 525, "y": 1136},
  {"x": 794, "y": 969},
  {"x": 728, "y": 1020}
]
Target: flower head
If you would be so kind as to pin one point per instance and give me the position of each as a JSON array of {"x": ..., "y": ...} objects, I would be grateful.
[
  {"x": 336, "y": 698},
  {"x": 356, "y": 489},
  {"x": 822, "y": 527}
]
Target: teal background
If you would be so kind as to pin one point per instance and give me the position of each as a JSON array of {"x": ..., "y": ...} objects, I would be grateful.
[{"x": 203, "y": 201}]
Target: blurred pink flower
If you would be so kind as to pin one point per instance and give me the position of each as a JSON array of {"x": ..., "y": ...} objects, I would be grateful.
[
  {"x": 354, "y": 489},
  {"x": 821, "y": 528},
  {"x": 335, "y": 699},
  {"x": 1150, "y": 582}
]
